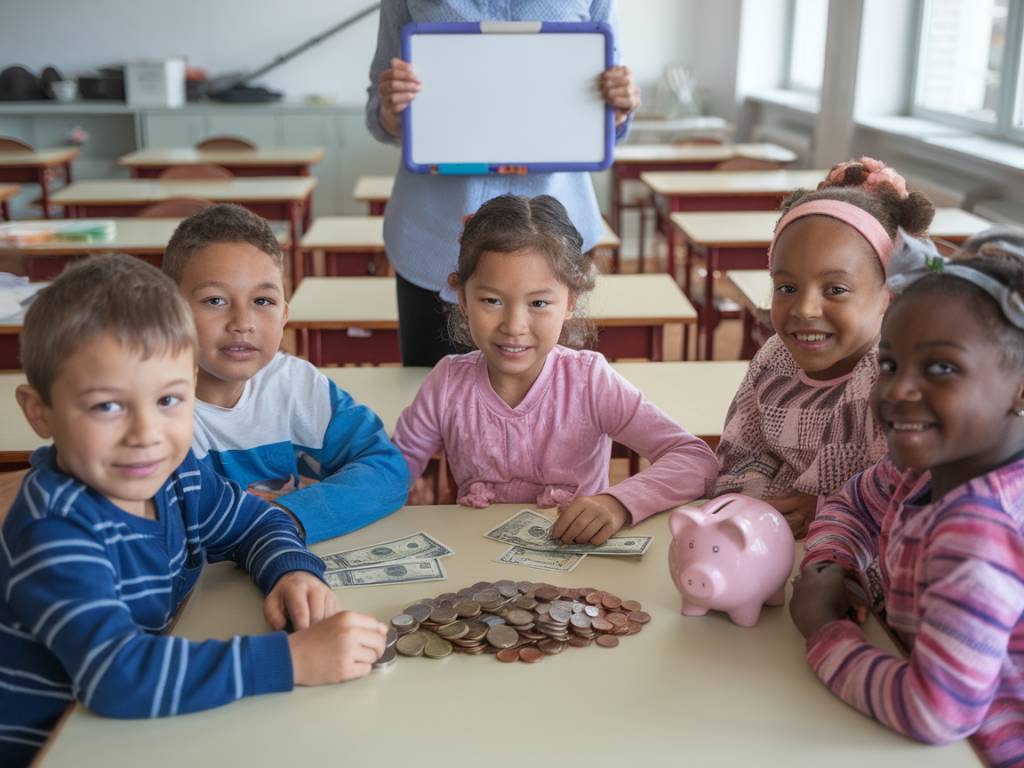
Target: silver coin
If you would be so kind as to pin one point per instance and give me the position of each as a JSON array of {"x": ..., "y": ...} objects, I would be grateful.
[{"x": 386, "y": 661}]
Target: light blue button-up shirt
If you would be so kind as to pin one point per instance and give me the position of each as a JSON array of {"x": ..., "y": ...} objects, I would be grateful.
[{"x": 424, "y": 215}]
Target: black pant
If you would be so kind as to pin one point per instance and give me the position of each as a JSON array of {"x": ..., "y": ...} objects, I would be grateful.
[{"x": 423, "y": 325}]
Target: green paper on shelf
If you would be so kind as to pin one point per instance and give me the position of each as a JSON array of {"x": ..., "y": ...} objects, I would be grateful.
[{"x": 89, "y": 231}]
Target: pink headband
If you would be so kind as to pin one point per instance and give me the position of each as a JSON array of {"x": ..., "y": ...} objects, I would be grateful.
[{"x": 866, "y": 224}]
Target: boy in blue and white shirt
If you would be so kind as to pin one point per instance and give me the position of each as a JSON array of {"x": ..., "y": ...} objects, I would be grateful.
[
  {"x": 264, "y": 418},
  {"x": 113, "y": 523}
]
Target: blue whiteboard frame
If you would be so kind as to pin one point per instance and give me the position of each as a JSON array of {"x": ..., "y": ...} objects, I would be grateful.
[{"x": 512, "y": 167}]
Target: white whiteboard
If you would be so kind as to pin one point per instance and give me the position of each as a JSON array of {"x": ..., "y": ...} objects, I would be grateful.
[{"x": 508, "y": 99}]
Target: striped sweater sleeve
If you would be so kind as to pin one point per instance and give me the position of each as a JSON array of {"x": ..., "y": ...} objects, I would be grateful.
[{"x": 971, "y": 600}]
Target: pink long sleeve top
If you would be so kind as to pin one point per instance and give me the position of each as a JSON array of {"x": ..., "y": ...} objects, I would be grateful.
[
  {"x": 556, "y": 444},
  {"x": 952, "y": 575}
]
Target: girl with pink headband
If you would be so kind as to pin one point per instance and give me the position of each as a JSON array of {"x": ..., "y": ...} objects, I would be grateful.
[{"x": 800, "y": 425}]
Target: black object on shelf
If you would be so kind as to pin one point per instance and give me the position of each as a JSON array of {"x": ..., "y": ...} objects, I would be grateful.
[
  {"x": 246, "y": 94},
  {"x": 19, "y": 84}
]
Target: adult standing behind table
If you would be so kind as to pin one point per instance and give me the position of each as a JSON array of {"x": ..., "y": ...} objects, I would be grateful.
[{"x": 424, "y": 216}]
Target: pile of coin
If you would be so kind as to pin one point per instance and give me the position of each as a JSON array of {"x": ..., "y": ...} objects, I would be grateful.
[{"x": 515, "y": 621}]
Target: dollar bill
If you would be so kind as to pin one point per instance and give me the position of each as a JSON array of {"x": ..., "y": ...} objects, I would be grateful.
[
  {"x": 546, "y": 561},
  {"x": 528, "y": 529},
  {"x": 418, "y": 546},
  {"x": 406, "y": 572}
]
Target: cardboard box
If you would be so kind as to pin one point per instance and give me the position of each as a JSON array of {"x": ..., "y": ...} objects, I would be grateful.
[{"x": 155, "y": 83}]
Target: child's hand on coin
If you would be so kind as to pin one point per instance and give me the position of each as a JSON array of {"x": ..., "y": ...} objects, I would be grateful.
[{"x": 590, "y": 520}]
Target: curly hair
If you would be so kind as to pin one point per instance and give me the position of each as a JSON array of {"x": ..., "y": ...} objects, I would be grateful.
[
  {"x": 999, "y": 253},
  {"x": 510, "y": 223}
]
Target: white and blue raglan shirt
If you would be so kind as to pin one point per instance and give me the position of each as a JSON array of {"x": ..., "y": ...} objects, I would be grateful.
[
  {"x": 292, "y": 421},
  {"x": 86, "y": 589}
]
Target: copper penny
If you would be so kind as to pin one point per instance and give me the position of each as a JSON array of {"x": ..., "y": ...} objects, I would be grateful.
[
  {"x": 594, "y": 598},
  {"x": 611, "y": 602},
  {"x": 508, "y": 655},
  {"x": 530, "y": 655},
  {"x": 607, "y": 641},
  {"x": 547, "y": 592},
  {"x": 640, "y": 617},
  {"x": 617, "y": 619},
  {"x": 634, "y": 628},
  {"x": 630, "y": 605},
  {"x": 601, "y": 624},
  {"x": 579, "y": 642},
  {"x": 551, "y": 647}
]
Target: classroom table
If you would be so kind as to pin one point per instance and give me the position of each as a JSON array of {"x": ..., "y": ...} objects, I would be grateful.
[
  {"x": 684, "y": 691},
  {"x": 349, "y": 246},
  {"x": 755, "y": 290},
  {"x": 694, "y": 394},
  {"x": 343, "y": 320},
  {"x": 633, "y": 159},
  {"x": 720, "y": 191},
  {"x": 7, "y": 191},
  {"x": 739, "y": 240},
  {"x": 149, "y": 163},
  {"x": 142, "y": 237},
  {"x": 38, "y": 166},
  {"x": 276, "y": 198}
]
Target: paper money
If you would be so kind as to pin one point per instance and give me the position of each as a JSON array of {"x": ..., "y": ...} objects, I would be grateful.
[
  {"x": 418, "y": 546},
  {"x": 546, "y": 561},
  {"x": 528, "y": 529},
  {"x": 406, "y": 572}
]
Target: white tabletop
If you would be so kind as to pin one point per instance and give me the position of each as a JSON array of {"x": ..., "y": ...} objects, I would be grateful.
[
  {"x": 730, "y": 183},
  {"x": 685, "y": 691},
  {"x": 373, "y": 189},
  {"x": 241, "y": 189},
  {"x": 755, "y": 287},
  {"x": 641, "y": 154},
  {"x": 755, "y": 228},
  {"x": 160, "y": 157},
  {"x": 14, "y": 158},
  {"x": 340, "y": 302}
]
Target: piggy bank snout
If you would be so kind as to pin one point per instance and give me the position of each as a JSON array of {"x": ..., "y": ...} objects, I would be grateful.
[{"x": 700, "y": 583}]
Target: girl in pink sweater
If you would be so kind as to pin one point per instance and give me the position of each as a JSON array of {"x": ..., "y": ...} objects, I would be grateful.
[
  {"x": 943, "y": 515},
  {"x": 526, "y": 418}
]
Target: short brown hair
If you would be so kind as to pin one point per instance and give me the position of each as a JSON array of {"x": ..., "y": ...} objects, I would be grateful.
[
  {"x": 510, "y": 223},
  {"x": 114, "y": 294},
  {"x": 222, "y": 223}
]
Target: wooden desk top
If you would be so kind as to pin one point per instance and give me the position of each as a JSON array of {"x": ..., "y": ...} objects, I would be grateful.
[
  {"x": 754, "y": 228},
  {"x": 699, "y": 691},
  {"x": 344, "y": 302},
  {"x": 642, "y": 154},
  {"x": 366, "y": 233},
  {"x": 145, "y": 191},
  {"x": 133, "y": 235},
  {"x": 373, "y": 189},
  {"x": 167, "y": 156},
  {"x": 8, "y": 191},
  {"x": 10, "y": 158},
  {"x": 730, "y": 183},
  {"x": 755, "y": 287}
]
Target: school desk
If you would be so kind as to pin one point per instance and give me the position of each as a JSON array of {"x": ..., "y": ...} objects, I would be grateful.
[
  {"x": 633, "y": 159},
  {"x": 40, "y": 167},
  {"x": 355, "y": 319},
  {"x": 276, "y": 198},
  {"x": 7, "y": 191},
  {"x": 348, "y": 245},
  {"x": 739, "y": 240},
  {"x": 685, "y": 691},
  {"x": 141, "y": 237},
  {"x": 149, "y": 163},
  {"x": 720, "y": 191}
]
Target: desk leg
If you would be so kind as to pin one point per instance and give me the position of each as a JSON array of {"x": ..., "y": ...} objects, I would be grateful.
[
  {"x": 670, "y": 239},
  {"x": 709, "y": 311},
  {"x": 5, "y": 210},
  {"x": 295, "y": 233},
  {"x": 377, "y": 208},
  {"x": 747, "y": 348},
  {"x": 67, "y": 172},
  {"x": 44, "y": 186},
  {"x": 616, "y": 197},
  {"x": 657, "y": 350}
]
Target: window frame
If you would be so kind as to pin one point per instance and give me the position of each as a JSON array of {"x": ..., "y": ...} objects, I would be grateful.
[
  {"x": 790, "y": 35},
  {"x": 1007, "y": 105}
]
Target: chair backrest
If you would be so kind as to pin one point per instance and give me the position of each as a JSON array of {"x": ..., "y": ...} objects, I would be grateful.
[
  {"x": 174, "y": 208},
  {"x": 200, "y": 171},
  {"x": 748, "y": 164},
  {"x": 225, "y": 142},
  {"x": 11, "y": 144}
]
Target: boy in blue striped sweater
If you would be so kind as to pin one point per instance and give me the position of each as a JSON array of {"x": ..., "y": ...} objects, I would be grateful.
[
  {"x": 113, "y": 523},
  {"x": 270, "y": 421}
]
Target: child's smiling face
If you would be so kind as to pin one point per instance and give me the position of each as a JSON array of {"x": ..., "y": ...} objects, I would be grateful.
[{"x": 945, "y": 396}]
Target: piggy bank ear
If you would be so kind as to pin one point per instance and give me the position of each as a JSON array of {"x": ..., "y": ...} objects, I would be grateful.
[
  {"x": 683, "y": 518},
  {"x": 739, "y": 530}
]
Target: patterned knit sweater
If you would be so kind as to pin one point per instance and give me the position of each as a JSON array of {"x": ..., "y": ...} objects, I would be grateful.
[
  {"x": 787, "y": 433},
  {"x": 952, "y": 574}
]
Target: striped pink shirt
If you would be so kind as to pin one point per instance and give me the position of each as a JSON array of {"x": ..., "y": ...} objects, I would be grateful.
[
  {"x": 786, "y": 432},
  {"x": 952, "y": 575}
]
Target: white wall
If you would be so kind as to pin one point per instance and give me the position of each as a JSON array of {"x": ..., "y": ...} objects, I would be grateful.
[{"x": 230, "y": 35}]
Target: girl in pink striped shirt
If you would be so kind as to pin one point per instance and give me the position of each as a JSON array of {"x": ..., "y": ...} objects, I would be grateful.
[
  {"x": 943, "y": 515},
  {"x": 524, "y": 418}
]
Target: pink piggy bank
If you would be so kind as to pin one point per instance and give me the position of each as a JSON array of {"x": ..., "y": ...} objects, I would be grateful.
[{"x": 734, "y": 554}]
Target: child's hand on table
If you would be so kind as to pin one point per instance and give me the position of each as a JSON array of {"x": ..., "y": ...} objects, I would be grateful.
[
  {"x": 300, "y": 597},
  {"x": 820, "y": 596},
  {"x": 798, "y": 509},
  {"x": 339, "y": 648},
  {"x": 590, "y": 519},
  {"x": 620, "y": 91},
  {"x": 397, "y": 87}
]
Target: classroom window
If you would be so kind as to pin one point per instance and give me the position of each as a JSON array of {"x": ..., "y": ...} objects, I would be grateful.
[
  {"x": 808, "y": 25},
  {"x": 968, "y": 65}
]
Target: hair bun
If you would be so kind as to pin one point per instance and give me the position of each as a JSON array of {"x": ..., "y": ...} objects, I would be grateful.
[{"x": 871, "y": 175}]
